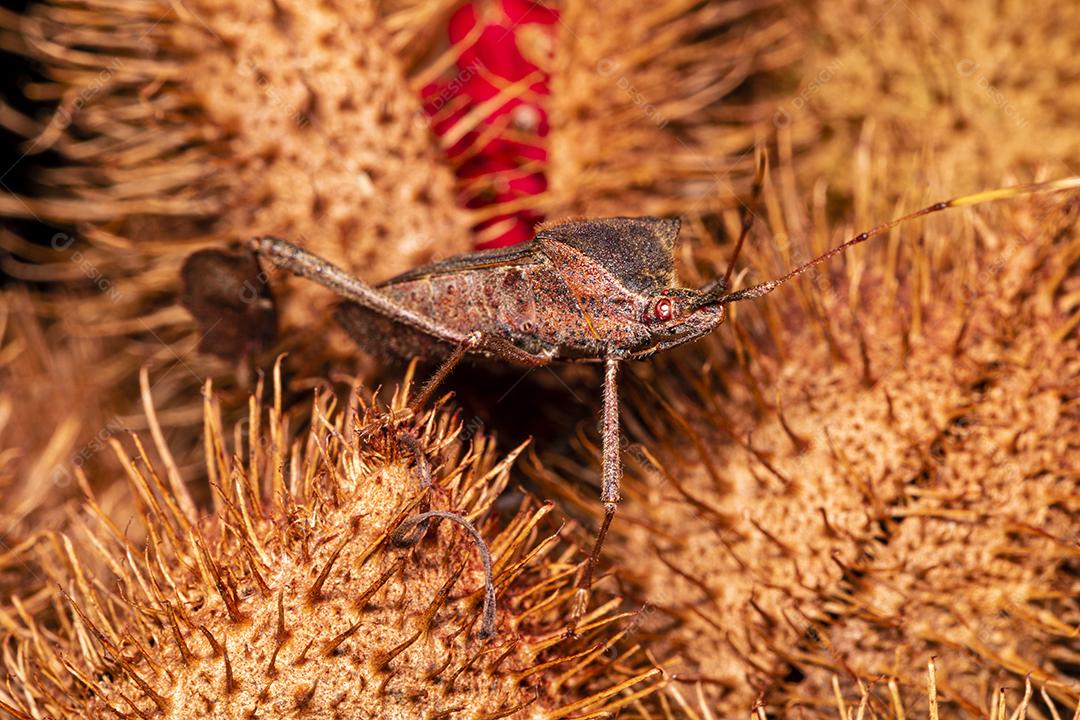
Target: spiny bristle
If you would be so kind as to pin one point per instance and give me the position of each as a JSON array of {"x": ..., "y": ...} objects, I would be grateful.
[
  {"x": 940, "y": 91},
  {"x": 47, "y": 440},
  {"x": 882, "y": 699},
  {"x": 862, "y": 494},
  {"x": 219, "y": 78},
  {"x": 636, "y": 116},
  {"x": 196, "y": 124},
  {"x": 302, "y": 602}
]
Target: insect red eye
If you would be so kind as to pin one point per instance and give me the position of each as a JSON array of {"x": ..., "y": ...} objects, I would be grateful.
[{"x": 663, "y": 309}]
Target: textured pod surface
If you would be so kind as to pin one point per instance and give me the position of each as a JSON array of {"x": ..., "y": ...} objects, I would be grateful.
[
  {"x": 658, "y": 117},
  {"x": 951, "y": 93},
  {"x": 863, "y": 473},
  {"x": 290, "y": 600},
  {"x": 180, "y": 125},
  {"x": 36, "y": 456},
  {"x": 327, "y": 142},
  {"x": 186, "y": 125}
]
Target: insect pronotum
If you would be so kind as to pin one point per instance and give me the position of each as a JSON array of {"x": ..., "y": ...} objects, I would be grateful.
[{"x": 601, "y": 290}]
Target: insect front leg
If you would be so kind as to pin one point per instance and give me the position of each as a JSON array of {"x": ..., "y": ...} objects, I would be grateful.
[
  {"x": 610, "y": 475},
  {"x": 404, "y": 537}
]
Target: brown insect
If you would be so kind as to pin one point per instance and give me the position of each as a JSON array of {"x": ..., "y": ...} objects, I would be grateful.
[{"x": 600, "y": 291}]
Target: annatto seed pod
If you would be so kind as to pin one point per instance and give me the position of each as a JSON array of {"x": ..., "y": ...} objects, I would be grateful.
[
  {"x": 866, "y": 471},
  {"x": 940, "y": 92},
  {"x": 295, "y": 597}
]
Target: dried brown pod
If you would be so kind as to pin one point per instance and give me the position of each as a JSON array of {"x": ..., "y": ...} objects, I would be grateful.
[
  {"x": 290, "y": 599},
  {"x": 658, "y": 117},
  {"x": 41, "y": 430},
  {"x": 954, "y": 94},
  {"x": 194, "y": 124},
  {"x": 867, "y": 470},
  {"x": 889, "y": 703}
]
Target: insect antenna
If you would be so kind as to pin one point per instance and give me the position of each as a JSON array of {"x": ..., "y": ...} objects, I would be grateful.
[
  {"x": 403, "y": 537},
  {"x": 978, "y": 198},
  {"x": 746, "y": 212}
]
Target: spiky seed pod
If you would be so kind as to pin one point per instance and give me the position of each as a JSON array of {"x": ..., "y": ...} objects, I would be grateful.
[
  {"x": 639, "y": 121},
  {"x": 547, "y": 113},
  {"x": 1000, "y": 700},
  {"x": 930, "y": 87},
  {"x": 190, "y": 124},
  {"x": 290, "y": 600},
  {"x": 333, "y": 147},
  {"x": 209, "y": 122},
  {"x": 259, "y": 119},
  {"x": 873, "y": 473},
  {"x": 36, "y": 457}
]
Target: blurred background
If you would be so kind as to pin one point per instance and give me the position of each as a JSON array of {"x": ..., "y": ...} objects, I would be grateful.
[{"x": 382, "y": 135}]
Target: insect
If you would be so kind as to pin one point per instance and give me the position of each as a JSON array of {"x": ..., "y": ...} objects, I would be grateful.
[{"x": 601, "y": 291}]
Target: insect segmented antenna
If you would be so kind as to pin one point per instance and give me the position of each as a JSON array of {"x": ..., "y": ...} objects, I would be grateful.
[
  {"x": 403, "y": 537},
  {"x": 756, "y": 291}
]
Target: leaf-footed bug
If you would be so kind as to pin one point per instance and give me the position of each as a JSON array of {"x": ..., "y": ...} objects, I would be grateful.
[{"x": 600, "y": 290}]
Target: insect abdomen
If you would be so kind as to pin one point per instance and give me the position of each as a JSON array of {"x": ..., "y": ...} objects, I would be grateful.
[{"x": 498, "y": 301}]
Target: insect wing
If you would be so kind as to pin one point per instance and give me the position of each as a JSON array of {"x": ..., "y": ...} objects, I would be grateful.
[
  {"x": 527, "y": 253},
  {"x": 380, "y": 335},
  {"x": 640, "y": 251}
]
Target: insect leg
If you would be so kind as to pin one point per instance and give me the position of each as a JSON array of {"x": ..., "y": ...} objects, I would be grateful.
[
  {"x": 610, "y": 475},
  {"x": 482, "y": 343},
  {"x": 412, "y": 444},
  {"x": 402, "y": 537},
  {"x": 305, "y": 264},
  {"x": 308, "y": 265},
  {"x": 441, "y": 374},
  {"x": 502, "y": 349},
  {"x": 413, "y": 529}
]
